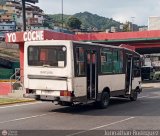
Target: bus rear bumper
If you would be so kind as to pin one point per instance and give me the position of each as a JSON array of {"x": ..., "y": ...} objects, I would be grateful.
[{"x": 48, "y": 97}]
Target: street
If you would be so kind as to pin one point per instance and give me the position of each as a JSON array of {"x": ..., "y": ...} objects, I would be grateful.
[{"x": 144, "y": 114}]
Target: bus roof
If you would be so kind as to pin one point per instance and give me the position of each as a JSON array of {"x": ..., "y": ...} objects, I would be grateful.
[
  {"x": 106, "y": 45},
  {"x": 79, "y": 42}
]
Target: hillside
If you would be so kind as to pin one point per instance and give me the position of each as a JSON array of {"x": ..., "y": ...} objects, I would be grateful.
[
  {"x": 9, "y": 51},
  {"x": 90, "y": 21},
  {"x": 95, "y": 21},
  {"x": 58, "y": 19}
]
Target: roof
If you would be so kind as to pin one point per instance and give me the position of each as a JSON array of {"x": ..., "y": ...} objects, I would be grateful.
[{"x": 148, "y": 40}]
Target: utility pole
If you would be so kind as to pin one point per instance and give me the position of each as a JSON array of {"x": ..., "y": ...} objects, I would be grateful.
[
  {"x": 133, "y": 23},
  {"x": 62, "y": 15},
  {"x": 24, "y": 14},
  {"x": 24, "y": 11}
]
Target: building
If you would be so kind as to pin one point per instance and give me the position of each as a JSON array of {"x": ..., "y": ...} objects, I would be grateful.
[
  {"x": 11, "y": 11},
  {"x": 36, "y": 27},
  {"x": 152, "y": 60},
  {"x": 154, "y": 23},
  {"x": 145, "y": 28},
  {"x": 9, "y": 26},
  {"x": 2, "y": 36}
]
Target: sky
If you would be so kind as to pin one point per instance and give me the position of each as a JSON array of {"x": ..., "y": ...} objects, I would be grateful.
[{"x": 136, "y": 11}]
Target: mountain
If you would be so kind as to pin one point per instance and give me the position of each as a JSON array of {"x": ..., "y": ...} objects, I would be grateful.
[
  {"x": 91, "y": 21},
  {"x": 58, "y": 17},
  {"x": 95, "y": 21}
]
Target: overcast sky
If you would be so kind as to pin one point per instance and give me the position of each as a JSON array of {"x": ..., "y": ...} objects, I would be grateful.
[{"x": 120, "y": 10}]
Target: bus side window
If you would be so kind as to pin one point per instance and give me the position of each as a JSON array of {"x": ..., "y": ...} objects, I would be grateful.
[
  {"x": 136, "y": 67},
  {"x": 117, "y": 61},
  {"x": 106, "y": 60},
  {"x": 80, "y": 63}
]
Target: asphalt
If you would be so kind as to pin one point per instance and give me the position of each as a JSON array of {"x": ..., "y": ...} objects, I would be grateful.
[{"x": 144, "y": 114}]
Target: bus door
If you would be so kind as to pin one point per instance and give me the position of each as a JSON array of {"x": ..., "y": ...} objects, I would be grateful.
[
  {"x": 129, "y": 67},
  {"x": 92, "y": 74}
]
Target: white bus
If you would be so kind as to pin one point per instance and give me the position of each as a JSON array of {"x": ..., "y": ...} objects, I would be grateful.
[{"x": 69, "y": 72}]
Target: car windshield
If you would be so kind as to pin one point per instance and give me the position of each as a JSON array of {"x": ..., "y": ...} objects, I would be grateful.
[
  {"x": 147, "y": 69},
  {"x": 54, "y": 56}
]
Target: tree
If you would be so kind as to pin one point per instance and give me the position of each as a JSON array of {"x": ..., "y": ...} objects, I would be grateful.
[
  {"x": 47, "y": 24},
  {"x": 127, "y": 27},
  {"x": 74, "y": 23}
]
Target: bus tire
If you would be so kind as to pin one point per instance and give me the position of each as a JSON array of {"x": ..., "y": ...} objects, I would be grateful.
[
  {"x": 134, "y": 96},
  {"x": 66, "y": 103},
  {"x": 104, "y": 102}
]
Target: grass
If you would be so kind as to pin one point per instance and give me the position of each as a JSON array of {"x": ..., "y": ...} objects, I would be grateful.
[{"x": 4, "y": 101}]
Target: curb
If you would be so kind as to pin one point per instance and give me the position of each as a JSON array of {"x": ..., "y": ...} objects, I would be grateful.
[
  {"x": 10, "y": 103},
  {"x": 148, "y": 87},
  {"x": 5, "y": 80}
]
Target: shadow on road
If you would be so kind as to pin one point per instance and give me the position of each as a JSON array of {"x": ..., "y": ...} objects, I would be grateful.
[{"x": 117, "y": 107}]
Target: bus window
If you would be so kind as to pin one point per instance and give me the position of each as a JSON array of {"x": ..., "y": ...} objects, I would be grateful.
[
  {"x": 33, "y": 55},
  {"x": 136, "y": 67},
  {"x": 80, "y": 63},
  {"x": 47, "y": 55},
  {"x": 106, "y": 60},
  {"x": 43, "y": 54},
  {"x": 117, "y": 61}
]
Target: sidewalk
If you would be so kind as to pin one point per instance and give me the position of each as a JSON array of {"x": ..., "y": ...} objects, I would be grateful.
[{"x": 151, "y": 85}]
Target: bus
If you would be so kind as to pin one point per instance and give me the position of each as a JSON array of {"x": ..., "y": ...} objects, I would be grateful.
[{"x": 70, "y": 72}]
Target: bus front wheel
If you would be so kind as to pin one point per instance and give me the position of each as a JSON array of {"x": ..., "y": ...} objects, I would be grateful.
[{"x": 134, "y": 96}]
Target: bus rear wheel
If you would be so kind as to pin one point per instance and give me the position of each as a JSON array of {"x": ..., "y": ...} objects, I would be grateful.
[{"x": 104, "y": 102}]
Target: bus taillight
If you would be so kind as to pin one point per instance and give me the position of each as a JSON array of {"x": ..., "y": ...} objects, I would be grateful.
[{"x": 65, "y": 93}]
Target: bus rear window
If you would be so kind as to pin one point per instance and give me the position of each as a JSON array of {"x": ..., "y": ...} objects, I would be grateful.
[{"x": 54, "y": 56}]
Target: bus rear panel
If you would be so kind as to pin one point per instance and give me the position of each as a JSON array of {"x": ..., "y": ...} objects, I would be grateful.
[{"x": 48, "y": 71}]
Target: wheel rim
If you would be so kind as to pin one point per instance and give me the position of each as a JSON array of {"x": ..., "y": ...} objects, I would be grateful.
[
  {"x": 135, "y": 95},
  {"x": 105, "y": 101}
]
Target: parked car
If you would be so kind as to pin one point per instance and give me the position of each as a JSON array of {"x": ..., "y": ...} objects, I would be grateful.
[
  {"x": 157, "y": 75},
  {"x": 147, "y": 72}
]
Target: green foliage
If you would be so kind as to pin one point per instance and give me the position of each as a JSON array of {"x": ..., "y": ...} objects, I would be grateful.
[
  {"x": 127, "y": 27},
  {"x": 58, "y": 18},
  {"x": 90, "y": 21},
  {"x": 74, "y": 23},
  {"x": 46, "y": 24}
]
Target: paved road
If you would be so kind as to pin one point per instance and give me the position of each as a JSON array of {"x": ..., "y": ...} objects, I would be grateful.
[{"x": 144, "y": 114}]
